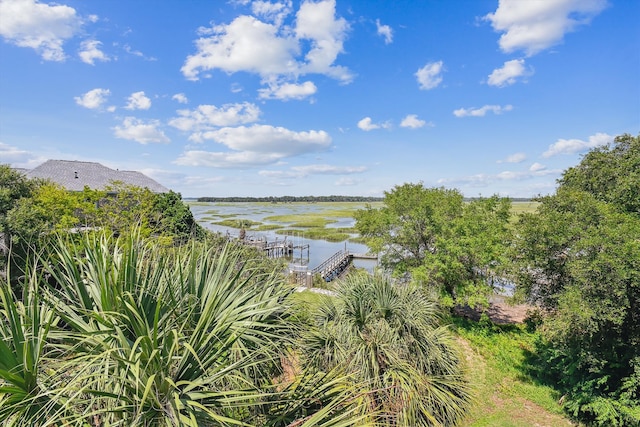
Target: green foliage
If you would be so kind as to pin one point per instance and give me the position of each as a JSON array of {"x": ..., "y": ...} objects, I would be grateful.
[
  {"x": 389, "y": 339},
  {"x": 578, "y": 257},
  {"x": 122, "y": 332},
  {"x": 13, "y": 186},
  {"x": 437, "y": 238},
  {"x": 610, "y": 173},
  {"x": 501, "y": 362}
]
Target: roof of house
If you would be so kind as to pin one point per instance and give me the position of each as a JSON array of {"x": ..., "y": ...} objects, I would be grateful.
[{"x": 74, "y": 176}]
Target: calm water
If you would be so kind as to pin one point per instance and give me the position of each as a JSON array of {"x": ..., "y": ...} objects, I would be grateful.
[{"x": 319, "y": 250}]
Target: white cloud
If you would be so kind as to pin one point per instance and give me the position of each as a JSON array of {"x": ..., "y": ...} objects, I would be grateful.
[
  {"x": 384, "y": 31},
  {"x": 514, "y": 158},
  {"x": 42, "y": 27},
  {"x": 316, "y": 22},
  {"x": 93, "y": 99},
  {"x": 328, "y": 169},
  {"x": 430, "y": 76},
  {"x": 138, "y": 101},
  {"x": 297, "y": 172},
  {"x": 347, "y": 182},
  {"x": 572, "y": 146},
  {"x": 181, "y": 98},
  {"x": 482, "y": 111},
  {"x": 143, "y": 132},
  {"x": 509, "y": 73},
  {"x": 246, "y": 44},
  {"x": 255, "y": 146},
  {"x": 274, "y": 50},
  {"x": 90, "y": 52},
  {"x": 208, "y": 117},
  {"x": 366, "y": 124},
  {"x": 288, "y": 91},
  {"x": 482, "y": 179},
  {"x": 19, "y": 158},
  {"x": 536, "y": 167},
  {"x": 533, "y": 26},
  {"x": 412, "y": 121},
  {"x": 134, "y": 52},
  {"x": 274, "y": 12}
]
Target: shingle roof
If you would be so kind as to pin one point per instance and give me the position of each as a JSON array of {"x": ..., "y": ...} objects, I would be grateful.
[{"x": 74, "y": 176}]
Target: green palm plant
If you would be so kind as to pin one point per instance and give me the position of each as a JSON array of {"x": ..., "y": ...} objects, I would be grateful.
[
  {"x": 388, "y": 337},
  {"x": 127, "y": 334},
  {"x": 24, "y": 330}
]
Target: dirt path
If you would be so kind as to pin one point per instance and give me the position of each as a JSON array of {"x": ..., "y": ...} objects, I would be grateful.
[{"x": 500, "y": 312}]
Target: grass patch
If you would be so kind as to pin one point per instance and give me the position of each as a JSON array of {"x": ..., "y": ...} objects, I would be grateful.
[
  {"x": 330, "y": 235},
  {"x": 505, "y": 396},
  {"x": 523, "y": 207},
  {"x": 238, "y": 223},
  {"x": 268, "y": 227},
  {"x": 312, "y": 222}
]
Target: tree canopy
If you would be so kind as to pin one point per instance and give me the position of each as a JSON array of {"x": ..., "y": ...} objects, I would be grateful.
[
  {"x": 436, "y": 238},
  {"x": 578, "y": 258}
]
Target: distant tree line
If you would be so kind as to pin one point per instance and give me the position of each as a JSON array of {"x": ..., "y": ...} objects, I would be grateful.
[
  {"x": 292, "y": 199},
  {"x": 318, "y": 199}
]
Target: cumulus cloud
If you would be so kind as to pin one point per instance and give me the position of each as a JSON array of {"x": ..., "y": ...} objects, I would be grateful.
[
  {"x": 413, "y": 122},
  {"x": 181, "y": 98},
  {"x": 384, "y": 31},
  {"x": 138, "y": 101},
  {"x": 430, "y": 76},
  {"x": 274, "y": 12},
  {"x": 273, "y": 50},
  {"x": 90, "y": 52},
  {"x": 514, "y": 158},
  {"x": 255, "y": 145},
  {"x": 572, "y": 146},
  {"x": 509, "y": 73},
  {"x": 39, "y": 26},
  {"x": 143, "y": 132},
  {"x": 288, "y": 91},
  {"x": 367, "y": 124},
  {"x": 532, "y": 26},
  {"x": 93, "y": 99},
  {"x": 482, "y": 111},
  {"x": 207, "y": 117}
]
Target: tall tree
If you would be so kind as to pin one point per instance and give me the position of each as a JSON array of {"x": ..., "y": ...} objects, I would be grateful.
[
  {"x": 610, "y": 173},
  {"x": 434, "y": 237},
  {"x": 578, "y": 257}
]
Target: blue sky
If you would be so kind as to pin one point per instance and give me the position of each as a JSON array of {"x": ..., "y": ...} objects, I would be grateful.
[{"x": 260, "y": 98}]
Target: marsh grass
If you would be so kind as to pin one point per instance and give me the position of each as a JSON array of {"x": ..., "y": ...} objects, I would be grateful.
[
  {"x": 328, "y": 234},
  {"x": 267, "y": 227},
  {"x": 238, "y": 223}
]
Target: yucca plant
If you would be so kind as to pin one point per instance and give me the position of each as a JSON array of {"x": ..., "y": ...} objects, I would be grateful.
[
  {"x": 24, "y": 330},
  {"x": 389, "y": 338},
  {"x": 127, "y": 334}
]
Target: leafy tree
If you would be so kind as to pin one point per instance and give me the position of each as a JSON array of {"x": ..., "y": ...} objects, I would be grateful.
[
  {"x": 13, "y": 186},
  {"x": 578, "y": 257},
  {"x": 171, "y": 217},
  {"x": 610, "y": 173},
  {"x": 432, "y": 235},
  {"x": 389, "y": 339}
]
